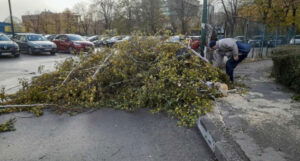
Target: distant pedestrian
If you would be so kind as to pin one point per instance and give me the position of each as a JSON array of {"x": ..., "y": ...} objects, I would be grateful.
[{"x": 235, "y": 51}]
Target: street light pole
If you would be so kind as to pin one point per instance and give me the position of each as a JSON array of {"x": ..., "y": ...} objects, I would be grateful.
[
  {"x": 11, "y": 19},
  {"x": 203, "y": 26}
]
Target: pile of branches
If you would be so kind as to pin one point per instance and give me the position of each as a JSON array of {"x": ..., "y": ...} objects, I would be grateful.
[
  {"x": 144, "y": 72},
  {"x": 8, "y": 126}
]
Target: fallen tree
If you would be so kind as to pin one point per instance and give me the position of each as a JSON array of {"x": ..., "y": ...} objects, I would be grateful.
[
  {"x": 144, "y": 72},
  {"x": 8, "y": 125}
]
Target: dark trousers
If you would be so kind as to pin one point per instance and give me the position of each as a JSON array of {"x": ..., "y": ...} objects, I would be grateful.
[{"x": 231, "y": 65}]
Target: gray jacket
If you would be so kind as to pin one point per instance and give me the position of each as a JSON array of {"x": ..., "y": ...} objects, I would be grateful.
[{"x": 227, "y": 47}]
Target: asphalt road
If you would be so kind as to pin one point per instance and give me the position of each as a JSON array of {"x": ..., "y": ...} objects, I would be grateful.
[
  {"x": 103, "y": 135},
  {"x": 26, "y": 66}
]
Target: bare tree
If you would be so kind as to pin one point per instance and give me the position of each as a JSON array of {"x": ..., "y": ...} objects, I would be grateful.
[
  {"x": 69, "y": 21},
  {"x": 152, "y": 17},
  {"x": 230, "y": 8},
  {"x": 85, "y": 16},
  {"x": 182, "y": 12},
  {"x": 58, "y": 23},
  {"x": 105, "y": 8}
]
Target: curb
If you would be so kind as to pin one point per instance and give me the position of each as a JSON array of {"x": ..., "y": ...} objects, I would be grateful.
[{"x": 224, "y": 148}]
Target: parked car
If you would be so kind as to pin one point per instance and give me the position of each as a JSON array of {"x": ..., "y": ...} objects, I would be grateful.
[
  {"x": 275, "y": 41},
  {"x": 195, "y": 42},
  {"x": 93, "y": 38},
  {"x": 72, "y": 43},
  {"x": 9, "y": 36},
  {"x": 101, "y": 41},
  {"x": 50, "y": 37},
  {"x": 175, "y": 39},
  {"x": 258, "y": 41},
  {"x": 110, "y": 42},
  {"x": 7, "y": 46},
  {"x": 85, "y": 37},
  {"x": 241, "y": 38},
  {"x": 125, "y": 38},
  {"x": 295, "y": 40},
  {"x": 34, "y": 43}
]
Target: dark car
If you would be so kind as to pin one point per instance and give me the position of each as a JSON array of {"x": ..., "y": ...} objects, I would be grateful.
[
  {"x": 93, "y": 38},
  {"x": 34, "y": 43},
  {"x": 111, "y": 41},
  {"x": 276, "y": 41},
  {"x": 50, "y": 37},
  {"x": 7, "y": 46},
  {"x": 101, "y": 42},
  {"x": 241, "y": 39},
  {"x": 72, "y": 43},
  {"x": 258, "y": 41}
]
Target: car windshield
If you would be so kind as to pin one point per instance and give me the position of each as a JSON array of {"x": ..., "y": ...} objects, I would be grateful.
[
  {"x": 195, "y": 38},
  {"x": 93, "y": 38},
  {"x": 76, "y": 38},
  {"x": 36, "y": 38},
  {"x": 297, "y": 37},
  {"x": 116, "y": 38},
  {"x": 4, "y": 38}
]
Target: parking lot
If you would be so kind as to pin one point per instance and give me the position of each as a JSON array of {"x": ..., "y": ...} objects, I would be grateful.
[
  {"x": 26, "y": 66},
  {"x": 100, "y": 135}
]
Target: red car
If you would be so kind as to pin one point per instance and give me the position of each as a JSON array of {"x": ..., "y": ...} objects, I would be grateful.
[
  {"x": 195, "y": 42},
  {"x": 72, "y": 43}
]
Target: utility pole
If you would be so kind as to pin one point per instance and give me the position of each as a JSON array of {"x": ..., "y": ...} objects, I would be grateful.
[
  {"x": 11, "y": 19},
  {"x": 203, "y": 26}
]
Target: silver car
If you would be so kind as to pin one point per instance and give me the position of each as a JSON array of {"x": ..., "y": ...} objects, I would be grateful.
[{"x": 295, "y": 40}]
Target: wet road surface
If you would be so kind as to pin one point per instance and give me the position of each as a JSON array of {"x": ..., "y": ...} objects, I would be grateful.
[
  {"x": 26, "y": 66},
  {"x": 104, "y": 135}
]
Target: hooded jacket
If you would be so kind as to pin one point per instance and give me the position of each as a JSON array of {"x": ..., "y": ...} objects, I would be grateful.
[{"x": 227, "y": 47}]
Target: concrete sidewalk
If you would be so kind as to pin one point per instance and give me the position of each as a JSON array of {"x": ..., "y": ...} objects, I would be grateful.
[{"x": 263, "y": 124}]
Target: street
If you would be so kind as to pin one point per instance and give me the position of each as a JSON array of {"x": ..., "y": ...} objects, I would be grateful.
[
  {"x": 26, "y": 66},
  {"x": 106, "y": 134}
]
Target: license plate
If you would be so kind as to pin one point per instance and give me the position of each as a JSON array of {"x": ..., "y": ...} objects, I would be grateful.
[{"x": 5, "y": 53}]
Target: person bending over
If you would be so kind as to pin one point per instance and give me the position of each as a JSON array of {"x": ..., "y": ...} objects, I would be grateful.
[{"x": 235, "y": 51}]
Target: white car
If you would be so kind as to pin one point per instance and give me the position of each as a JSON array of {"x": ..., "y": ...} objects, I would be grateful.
[
  {"x": 295, "y": 40},
  {"x": 126, "y": 38},
  {"x": 175, "y": 39}
]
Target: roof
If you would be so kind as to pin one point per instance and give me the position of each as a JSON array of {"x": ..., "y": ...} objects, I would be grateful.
[
  {"x": 4, "y": 23},
  {"x": 27, "y": 34}
]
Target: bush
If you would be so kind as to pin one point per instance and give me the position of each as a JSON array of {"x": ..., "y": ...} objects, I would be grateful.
[
  {"x": 287, "y": 66},
  {"x": 141, "y": 73}
]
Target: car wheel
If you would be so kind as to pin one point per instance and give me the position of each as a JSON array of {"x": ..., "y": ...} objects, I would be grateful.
[
  {"x": 30, "y": 51},
  {"x": 16, "y": 55}
]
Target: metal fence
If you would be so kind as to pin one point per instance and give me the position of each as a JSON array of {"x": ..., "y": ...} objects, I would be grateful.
[{"x": 262, "y": 37}]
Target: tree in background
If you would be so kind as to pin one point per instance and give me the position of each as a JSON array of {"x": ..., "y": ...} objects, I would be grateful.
[
  {"x": 275, "y": 14},
  {"x": 151, "y": 16},
  {"x": 127, "y": 16},
  {"x": 105, "y": 8},
  {"x": 17, "y": 23},
  {"x": 183, "y": 11},
  {"x": 85, "y": 17},
  {"x": 230, "y": 8}
]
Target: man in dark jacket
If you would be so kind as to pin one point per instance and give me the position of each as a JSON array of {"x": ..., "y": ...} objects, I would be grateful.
[{"x": 235, "y": 51}]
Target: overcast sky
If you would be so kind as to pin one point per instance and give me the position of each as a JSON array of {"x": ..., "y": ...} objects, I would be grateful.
[{"x": 21, "y": 7}]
